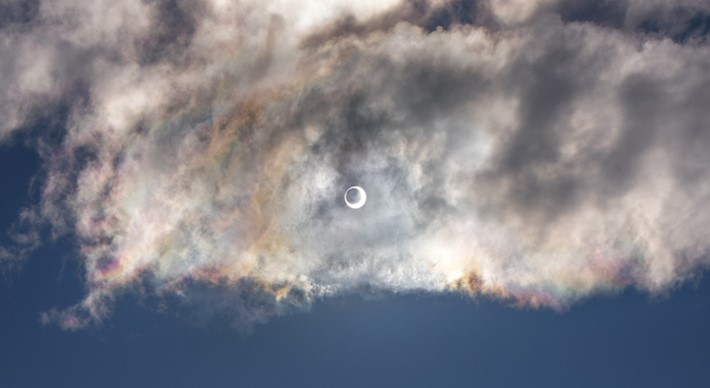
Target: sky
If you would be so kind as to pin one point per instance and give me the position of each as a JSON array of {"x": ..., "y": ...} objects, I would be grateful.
[{"x": 174, "y": 208}]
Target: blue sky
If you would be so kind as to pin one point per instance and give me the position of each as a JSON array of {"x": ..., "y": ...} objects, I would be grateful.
[
  {"x": 418, "y": 341},
  {"x": 173, "y": 207}
]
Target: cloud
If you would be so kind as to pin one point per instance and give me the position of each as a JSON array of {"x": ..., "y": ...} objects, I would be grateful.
[{"x": 538, "y": 155}]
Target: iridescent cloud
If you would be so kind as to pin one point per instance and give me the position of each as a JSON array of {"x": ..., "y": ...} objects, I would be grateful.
[{"x": 538, "y": 152}]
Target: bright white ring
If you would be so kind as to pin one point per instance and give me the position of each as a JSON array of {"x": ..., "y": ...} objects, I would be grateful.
[{"x": 361, "y": 202}]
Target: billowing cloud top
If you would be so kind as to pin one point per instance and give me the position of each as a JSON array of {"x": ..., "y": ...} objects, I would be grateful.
[{"x": 533, "y": 151}]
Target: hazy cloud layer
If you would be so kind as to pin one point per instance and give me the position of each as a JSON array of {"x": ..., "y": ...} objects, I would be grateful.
[{"x": 533, "y": 151}]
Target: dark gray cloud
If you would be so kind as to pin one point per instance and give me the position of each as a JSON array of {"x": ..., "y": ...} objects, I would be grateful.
[
  {"x": 172, "y": 27},
  {"x": 16, "y": 13},
  {"x": 680, "y": 21}
]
